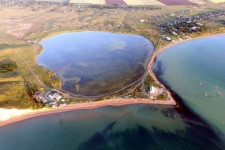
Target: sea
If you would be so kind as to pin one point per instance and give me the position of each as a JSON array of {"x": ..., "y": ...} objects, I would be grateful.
[
  {"x": 195, "y": 71},
  {"x": 132, "y": 127}
]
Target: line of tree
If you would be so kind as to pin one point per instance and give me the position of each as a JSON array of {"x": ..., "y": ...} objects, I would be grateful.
[{"x": 11, "y": 66}]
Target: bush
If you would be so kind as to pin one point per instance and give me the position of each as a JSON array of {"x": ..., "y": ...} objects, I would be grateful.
[{"x": 11, "y": 66}]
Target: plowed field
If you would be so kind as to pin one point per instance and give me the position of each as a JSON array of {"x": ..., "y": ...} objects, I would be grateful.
[
  {"x": 118, "y": 2},
  {"x": 176, "y": 2}
]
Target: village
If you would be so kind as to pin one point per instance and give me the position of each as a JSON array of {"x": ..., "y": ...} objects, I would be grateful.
[{"x": 182, "y": 25}]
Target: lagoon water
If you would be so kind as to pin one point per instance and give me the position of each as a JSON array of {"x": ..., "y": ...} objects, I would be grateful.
[
  {"x": 132, "y": 127},
  {"x": 96, "y": 63},
  {"x": 194, "y": 70}
]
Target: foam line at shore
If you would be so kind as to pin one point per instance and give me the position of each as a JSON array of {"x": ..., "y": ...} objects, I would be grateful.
[{"x": 80, "y": 106}]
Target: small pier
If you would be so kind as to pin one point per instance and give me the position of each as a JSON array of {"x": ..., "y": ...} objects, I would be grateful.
[{"x": 218, "y": 91}]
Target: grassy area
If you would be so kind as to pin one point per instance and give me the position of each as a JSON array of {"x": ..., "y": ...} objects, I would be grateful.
[
  {"x": 15, "y": 76},
  {"x": 150, "y": 81}
]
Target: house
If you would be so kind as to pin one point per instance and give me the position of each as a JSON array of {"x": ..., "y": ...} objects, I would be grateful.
[
  {"x": 199, "y": 24},
  {"x": 57, "y": 96},
  {"x": 194, "y": 28},
  {"x": 188, "y": 22},
  {"x": 44, "y": 100},
  {"x": 174, "y": 33},
  {"x": 51, "y": 97},
  {"x": 168, "y": 38},
  {"x": 52, "y": 103},
  {"x": 154, "y": 90},
  {"x": 142, "y": 20}
]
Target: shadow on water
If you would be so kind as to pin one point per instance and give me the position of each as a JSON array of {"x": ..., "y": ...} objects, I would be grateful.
[
  {"x": 140, "y": 138},
  {"x": 181, "y": 107},
  {"x": 159, "y": 69}
]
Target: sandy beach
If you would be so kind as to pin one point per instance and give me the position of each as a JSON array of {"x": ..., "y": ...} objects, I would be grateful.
[{"x": 17, "y": 116}]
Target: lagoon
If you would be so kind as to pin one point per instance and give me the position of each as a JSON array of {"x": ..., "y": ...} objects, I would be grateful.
[
  {"x": 195, "y": 70},
  {"x": 96, "y": 63}
]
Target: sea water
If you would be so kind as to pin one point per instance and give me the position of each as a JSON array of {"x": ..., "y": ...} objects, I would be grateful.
[
  {"x": 195, "y": 71},
  {"x": 132, "y": 127}
]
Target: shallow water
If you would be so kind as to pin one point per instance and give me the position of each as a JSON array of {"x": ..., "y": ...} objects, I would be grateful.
[
  {"x": 95, "y": 63},
  {"x": 193, "y": 69},
  {"x": 140, "y": 127}
]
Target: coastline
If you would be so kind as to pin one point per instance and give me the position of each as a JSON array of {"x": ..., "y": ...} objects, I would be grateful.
[
  {"x": 85, "y": 106},
  {"x": 158, "y": 51},
  {"x": 111, "y": 102}
]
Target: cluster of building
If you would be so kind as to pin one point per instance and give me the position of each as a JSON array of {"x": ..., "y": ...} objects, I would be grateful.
[
  {"x": 40, "y": 97},
  {"x": 220, "y": 21},
  {"x": 182, "y": 25},
  {"x": 180, "y": 30},
  {"x": 51, "y": 98},
  {"x": 189, "y": 24},
  {"x": 176, "y": 14}
]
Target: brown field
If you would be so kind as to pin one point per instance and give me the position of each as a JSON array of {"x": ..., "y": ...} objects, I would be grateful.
[
  {"x": 133, "y": 2},
  {"x": 218, "y": 1},
  {"x": 198, "y": 2},
  {"x": 151, "y": 2},
  {"x": 142, "y": 2},
  {"x": 118, "y": 2},
  {"x": 176, "y": 2},
  {"x": 88, "y": 1}
]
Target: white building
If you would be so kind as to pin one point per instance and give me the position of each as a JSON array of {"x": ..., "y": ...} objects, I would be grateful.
[
  {"x": 51, "y": 97},
  {"x": 57, "y": 96},
  {"x": 168, "y": 38},
  {"x": 154, "y": 90},
  {"x": 44, "y": 100}
]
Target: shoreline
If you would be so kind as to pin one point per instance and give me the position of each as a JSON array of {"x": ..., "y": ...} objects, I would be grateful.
[
  {"x": 85, "y": 106},
  {"x": 158, "y": 51},
  {"x": 111, "y": 102}
]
